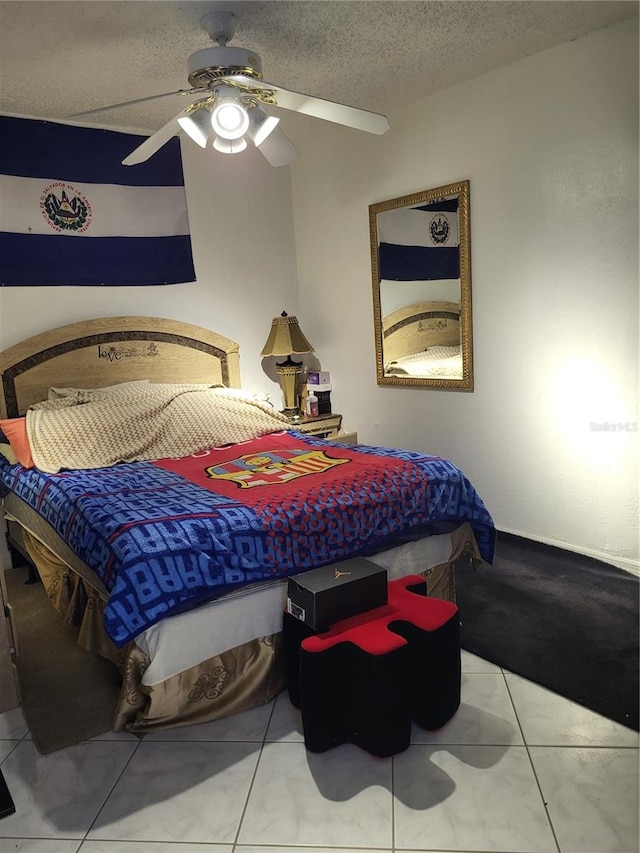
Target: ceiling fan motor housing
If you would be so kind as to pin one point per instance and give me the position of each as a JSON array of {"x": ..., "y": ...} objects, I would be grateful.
[{"x": 211, "y": 63}]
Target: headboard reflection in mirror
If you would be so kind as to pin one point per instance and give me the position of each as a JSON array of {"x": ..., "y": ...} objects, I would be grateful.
[{"x": 421, "y": 275}]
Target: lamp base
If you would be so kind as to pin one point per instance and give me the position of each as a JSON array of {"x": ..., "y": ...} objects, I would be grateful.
[{"x": 289, "y": 373}]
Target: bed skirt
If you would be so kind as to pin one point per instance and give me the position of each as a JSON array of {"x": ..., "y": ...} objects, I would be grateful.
[{"x": 244, "y": 677}]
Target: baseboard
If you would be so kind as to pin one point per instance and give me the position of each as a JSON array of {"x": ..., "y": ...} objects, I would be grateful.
[{"x": 631, "y": 566}]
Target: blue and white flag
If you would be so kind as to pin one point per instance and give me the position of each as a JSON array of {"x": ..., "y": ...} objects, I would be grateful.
[
  {"x": 71, "y": 213},
  {"x": 419, "y": 243}
]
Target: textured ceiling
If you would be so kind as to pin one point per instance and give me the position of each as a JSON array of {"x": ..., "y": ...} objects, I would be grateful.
[{"x": 58, "y": 58}]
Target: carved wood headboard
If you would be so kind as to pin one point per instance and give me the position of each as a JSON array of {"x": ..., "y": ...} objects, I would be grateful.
[
  {"x": 107, "y": 350},
  {"x": 414, "y": 328}
]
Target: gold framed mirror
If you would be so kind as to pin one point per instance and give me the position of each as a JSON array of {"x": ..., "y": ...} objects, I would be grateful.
[{"x": 421, "y": 276}]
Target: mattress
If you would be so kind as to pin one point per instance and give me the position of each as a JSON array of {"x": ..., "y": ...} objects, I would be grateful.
[
  {"x": 164, "y": 536},
  {"x": 182, "y": 641}
]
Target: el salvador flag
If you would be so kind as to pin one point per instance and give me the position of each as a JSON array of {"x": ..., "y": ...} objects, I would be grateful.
[
  {"x": 419, "y": 243},
  {"x": 71, "y": 213}
]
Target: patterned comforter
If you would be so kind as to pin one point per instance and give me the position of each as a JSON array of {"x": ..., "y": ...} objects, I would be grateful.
[{"x": 168, "y": 534}]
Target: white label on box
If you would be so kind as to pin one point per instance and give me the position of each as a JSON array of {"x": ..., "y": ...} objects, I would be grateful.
[{"x": 295, "y": 610}]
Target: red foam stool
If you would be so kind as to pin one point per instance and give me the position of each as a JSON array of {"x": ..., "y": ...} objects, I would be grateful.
[{"x": 366, "y": 679}]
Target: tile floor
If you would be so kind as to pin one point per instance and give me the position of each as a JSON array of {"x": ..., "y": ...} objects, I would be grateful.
[{"x": 517, "y": 770}]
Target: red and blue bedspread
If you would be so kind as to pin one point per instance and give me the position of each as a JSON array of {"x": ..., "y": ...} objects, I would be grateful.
[{"x": 167, "y": 535}]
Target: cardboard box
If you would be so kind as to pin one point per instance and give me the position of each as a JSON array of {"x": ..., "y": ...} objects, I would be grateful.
[
  {"x": 321, "y": 597},
  {"x": 323, "y": 377}
]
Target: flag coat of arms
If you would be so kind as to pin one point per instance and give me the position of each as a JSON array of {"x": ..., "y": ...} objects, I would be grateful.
[
  {"x": 415, "y": 239},
  {"x": 72, "y": 214}
]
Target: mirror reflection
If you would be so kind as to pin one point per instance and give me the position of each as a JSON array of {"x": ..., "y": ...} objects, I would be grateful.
[{"x": 420, "y": 259}]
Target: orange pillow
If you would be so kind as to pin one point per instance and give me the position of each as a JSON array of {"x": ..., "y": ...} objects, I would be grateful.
[{"x": 16, "y": 431}]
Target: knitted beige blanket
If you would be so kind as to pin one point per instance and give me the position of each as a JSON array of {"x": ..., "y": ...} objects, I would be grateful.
[{"x": 141, "y": 421}]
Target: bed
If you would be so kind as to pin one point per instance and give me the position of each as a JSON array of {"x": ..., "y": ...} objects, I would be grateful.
[
  {"x": 175, "y": 567},
  {"x": 423, "y": 340}
]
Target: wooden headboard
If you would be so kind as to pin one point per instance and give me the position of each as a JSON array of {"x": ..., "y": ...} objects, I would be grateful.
[
  {"x": 108, "y": 350},
  {"x": 414, "y": 328}
]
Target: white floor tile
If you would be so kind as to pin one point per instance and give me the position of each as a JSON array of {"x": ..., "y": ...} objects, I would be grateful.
[
  {"x": 466, "y": 798},
  {"x": 59, "y": 795},
  {"x": 485, "y": 715},
  {"x": 592, "y": 797},
  {"x": 241, "y": 848},
  {"x": 39, "y": 845},
  {"x": 120, "y": 735},
  {"x": 548, "y": 719},
  {"x": 248, "y": 726},
  {"x": 191, "y": 792},
  {"x": 7, "y": 747},
  {"x": 337, "y": 798},
  {"x": 152, "y": 847},
  {"x": 12, "y": 725},
  {"x": 472, "y": 663},
  {"x": 286, "y": 722}
]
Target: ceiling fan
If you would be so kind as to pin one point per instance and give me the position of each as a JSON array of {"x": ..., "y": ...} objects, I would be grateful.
[{"x": 227, "y": 98}]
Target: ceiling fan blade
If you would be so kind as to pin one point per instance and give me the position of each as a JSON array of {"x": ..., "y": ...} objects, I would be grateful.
[
  {"x": 138, "y": 101},
  {"x": 278, "y": 149},
  {"x": 154, "y": 142},
  {"x": 318, "y": 107}
]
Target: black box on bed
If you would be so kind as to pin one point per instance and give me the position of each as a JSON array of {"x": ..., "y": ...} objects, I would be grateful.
[{"x": 331, "y": 593}]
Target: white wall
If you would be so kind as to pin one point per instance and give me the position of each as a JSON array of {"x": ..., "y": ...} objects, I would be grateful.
[
  {"x": 550, "y": 146},
  {"x": 242, "y": 235}
]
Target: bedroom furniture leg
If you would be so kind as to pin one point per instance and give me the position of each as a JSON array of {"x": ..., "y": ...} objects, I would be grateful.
[
  {"x": 32, "y": 576},
  {"x": 17, "y": 559},
  {"x": 18, "y": 553},
  {"x": 9, "y": 689}
]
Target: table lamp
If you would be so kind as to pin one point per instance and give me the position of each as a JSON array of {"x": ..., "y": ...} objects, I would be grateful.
[{"x": 286, "y": 339}]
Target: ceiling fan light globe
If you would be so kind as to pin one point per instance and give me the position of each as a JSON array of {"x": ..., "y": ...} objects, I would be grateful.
[
  {"x": 262, "y": 126},
  {"x": 197, "y": 126},
  {"x": 230, "y": 120},
  {"x": 229, "y": 146}
]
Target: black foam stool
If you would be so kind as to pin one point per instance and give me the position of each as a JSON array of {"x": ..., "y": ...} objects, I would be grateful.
[{"x": 366, "y": 679}]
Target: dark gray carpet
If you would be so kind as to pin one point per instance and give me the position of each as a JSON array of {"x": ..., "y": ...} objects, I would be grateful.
[
  {"x": 566, "y": 622},
  {"x": 68, "y": 695}
]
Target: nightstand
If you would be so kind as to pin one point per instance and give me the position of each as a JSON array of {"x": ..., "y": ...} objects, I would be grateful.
[
  {"x": 346, "y": 437},
  {"x": 324, "y": 426}
]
